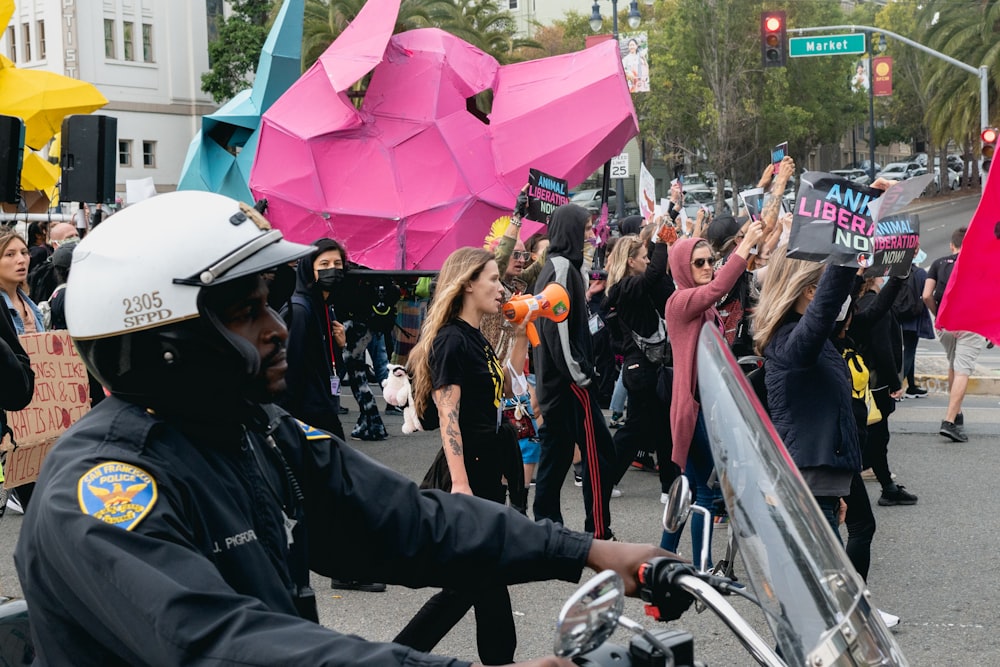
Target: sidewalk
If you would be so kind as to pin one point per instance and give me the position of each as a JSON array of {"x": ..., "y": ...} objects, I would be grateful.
[{"x": 932, "y": 372}]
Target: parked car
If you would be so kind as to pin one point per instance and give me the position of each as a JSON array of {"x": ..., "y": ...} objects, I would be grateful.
[
  {"x": 899, "y": 171},
  {"x": 859, "y": 176},
  {"x": 591, "y": 200}
]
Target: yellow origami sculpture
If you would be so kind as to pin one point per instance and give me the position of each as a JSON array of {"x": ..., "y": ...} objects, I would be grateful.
[{"x": 41, "y": 99}]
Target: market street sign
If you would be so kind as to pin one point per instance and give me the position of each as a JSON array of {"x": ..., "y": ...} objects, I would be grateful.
[{"x": 826, "y": 45}]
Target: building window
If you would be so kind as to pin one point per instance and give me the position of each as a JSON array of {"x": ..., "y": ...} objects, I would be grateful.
[
  {"x": 40, "y": 33},
  {"x": 12, "y": 41},
  {"x": 128, "y": 39},
  {"x": 125, "y": 153},
  {"x": 26, "y": 31},
  {"x": 149, "y": 154},
  {"x": 147, "y": 43},
  {"x": 110, "y": 48},
  {"x": 512, "y": 4}
]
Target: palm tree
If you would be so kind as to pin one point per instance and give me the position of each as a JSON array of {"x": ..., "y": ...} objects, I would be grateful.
[
  {"x": 966, "y": 32},
  {"x": 484, "y": 25},
  {"x": 325, "y": 19}
]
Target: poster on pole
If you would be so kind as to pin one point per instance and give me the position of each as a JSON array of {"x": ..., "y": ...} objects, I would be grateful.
[
  {"x": 545, "y": 194},
  {"x": 882, "y": 81},
  {"x": 859, "y": 80},
  {"x": 634, "y": 48},
  {"x": 62, "y": 396},
  {"x": 647, "y": 193}
]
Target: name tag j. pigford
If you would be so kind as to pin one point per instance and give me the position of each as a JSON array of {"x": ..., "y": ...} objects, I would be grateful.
[{"x": 117, "y": 493}]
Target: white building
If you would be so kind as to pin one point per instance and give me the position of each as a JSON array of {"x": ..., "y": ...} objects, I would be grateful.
[
  {"x": 544, "y": 12},
  {"x": 145, "y": 56}
]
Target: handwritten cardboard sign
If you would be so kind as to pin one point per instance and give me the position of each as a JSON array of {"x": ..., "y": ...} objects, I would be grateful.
[
  {"x": 62, "y": 396},
  {"x": 545, "y": 193}
]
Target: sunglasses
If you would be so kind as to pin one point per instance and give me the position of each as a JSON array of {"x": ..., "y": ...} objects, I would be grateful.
[
  {"x": 520, "y": 254},
  {"x": 701, "y": 262}
]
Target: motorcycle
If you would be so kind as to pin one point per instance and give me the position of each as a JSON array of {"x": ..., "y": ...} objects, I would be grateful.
[{"x": 816, "y": 605}]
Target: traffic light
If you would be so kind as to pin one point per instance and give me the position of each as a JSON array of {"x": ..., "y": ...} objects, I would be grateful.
[
  {"x": 989, "y": 137},
  {"x": 772, "y": 39}
]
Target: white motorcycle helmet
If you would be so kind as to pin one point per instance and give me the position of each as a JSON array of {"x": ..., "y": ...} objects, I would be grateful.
[{"x": 135, "y": 299}]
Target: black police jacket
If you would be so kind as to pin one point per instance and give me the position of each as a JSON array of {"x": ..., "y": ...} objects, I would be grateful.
[{"x": 147, "y": 543}]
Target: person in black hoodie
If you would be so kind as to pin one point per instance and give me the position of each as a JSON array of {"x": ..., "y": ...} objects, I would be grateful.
[
  {"x": 638, "y": 293},
  {"x": 315, "y": 339},
  {"x": 880, "y": 340},
  {"x": 566, "y": 378}
]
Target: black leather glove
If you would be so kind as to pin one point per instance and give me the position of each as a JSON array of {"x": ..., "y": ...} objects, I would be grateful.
[{"x": 521, "y": 208}]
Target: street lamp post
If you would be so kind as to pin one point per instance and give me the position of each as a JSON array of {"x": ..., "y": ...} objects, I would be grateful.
[{"x": 596, "y": 22}]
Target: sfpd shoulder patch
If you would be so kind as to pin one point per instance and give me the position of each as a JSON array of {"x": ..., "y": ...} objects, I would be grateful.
[
  {"x": 311, "y": 432},
  {"x": 117, "y": 493}
]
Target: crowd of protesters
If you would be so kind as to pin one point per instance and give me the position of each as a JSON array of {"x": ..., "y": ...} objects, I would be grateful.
[{"x": 836, "y": 351}]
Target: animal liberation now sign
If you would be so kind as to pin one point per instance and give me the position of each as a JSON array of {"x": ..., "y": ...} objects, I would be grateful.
[{"x": 826, "y": 45}]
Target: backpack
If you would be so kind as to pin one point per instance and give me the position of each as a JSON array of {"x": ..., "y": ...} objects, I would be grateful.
[
  {"x": 374, "y": 302},
  {"x": 908, "y": 304},
  {"x": 860, "y": 386}
]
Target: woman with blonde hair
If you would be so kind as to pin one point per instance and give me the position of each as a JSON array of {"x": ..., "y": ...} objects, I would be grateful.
[
  {"x": 808, "y": 382},
  {"x": 454, "y": 366},
  {"x": 638, "y": 289}
]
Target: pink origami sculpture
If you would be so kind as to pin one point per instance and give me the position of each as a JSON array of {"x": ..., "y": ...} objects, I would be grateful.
[
  {"x": 417, "y": 171},
  {"x": 970, "y": 301}
]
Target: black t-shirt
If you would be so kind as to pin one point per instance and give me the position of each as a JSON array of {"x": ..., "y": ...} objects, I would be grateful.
[
  {"x": 940, "y": 272},
  {"x": 462, "y": 356}
]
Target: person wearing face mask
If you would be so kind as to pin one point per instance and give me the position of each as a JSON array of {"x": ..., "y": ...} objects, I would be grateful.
[
  {"x": 316, "y": 339},
  {"x": 875, "y": 329}
]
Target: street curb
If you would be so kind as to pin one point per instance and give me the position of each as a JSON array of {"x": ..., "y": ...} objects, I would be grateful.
[{"x": 978, "y": 385}]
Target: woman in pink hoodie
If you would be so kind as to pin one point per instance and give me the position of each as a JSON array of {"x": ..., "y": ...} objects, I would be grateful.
[{"x": 699, "y": 288}]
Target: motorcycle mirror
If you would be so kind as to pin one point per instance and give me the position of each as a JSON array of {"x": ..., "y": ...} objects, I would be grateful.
[
  {"x": 590, "y": 615},
  {"x": 678, "y": 506}
]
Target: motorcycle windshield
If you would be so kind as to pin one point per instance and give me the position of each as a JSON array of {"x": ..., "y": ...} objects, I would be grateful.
[{"x": 814, "y": 601}]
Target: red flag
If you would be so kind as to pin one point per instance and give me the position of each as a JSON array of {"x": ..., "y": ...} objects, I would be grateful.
[
  {"x": 970, "y": 301},
  {"x": 882, "y": 78}
]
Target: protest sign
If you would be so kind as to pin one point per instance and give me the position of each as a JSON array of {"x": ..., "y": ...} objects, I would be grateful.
[
  {"x": 545, "y": 193},
  {"x": 753, "y": 202},
  {"x": 897, "y": 238},
  {"x": 835, "y": 219},
  {"x": 778, "y": 154},
  {"x": 62, "y": 396}
]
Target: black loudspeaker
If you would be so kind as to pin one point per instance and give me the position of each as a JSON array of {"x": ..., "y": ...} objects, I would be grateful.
[
  {"x": 89, "y": 158},
  {"x": 11, "y": 158}
]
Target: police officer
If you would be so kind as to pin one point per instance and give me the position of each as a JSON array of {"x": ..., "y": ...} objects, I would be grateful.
[{"x": 176, "y": 523}]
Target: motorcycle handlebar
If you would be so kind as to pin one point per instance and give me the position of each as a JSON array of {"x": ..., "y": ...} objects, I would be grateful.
[{"x": 668, "y": 587}]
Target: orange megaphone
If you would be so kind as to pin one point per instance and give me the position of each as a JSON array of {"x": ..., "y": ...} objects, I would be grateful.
[{"x": 552, "y": 304}]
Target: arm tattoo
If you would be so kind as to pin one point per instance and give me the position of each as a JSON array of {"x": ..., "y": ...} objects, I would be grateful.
[{"x": 453, "y": 433}]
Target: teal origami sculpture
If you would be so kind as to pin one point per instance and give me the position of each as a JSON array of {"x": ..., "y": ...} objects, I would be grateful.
[{"x": 221, "y": 154}]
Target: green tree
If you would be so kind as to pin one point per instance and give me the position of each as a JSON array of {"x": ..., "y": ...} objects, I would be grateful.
[{"x": 234, "y": 55}]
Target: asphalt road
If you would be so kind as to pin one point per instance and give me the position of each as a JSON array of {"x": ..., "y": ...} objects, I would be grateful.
[
  {"x": 931, "y": 565},
  {"x": 932, "y": 562}
]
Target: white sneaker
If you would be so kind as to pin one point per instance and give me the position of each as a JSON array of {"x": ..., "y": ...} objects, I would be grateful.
[
  {"x": 14, "y": 505},
  {"x": 890, "y": 620},
  {"x": 616, "y": 492}
]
